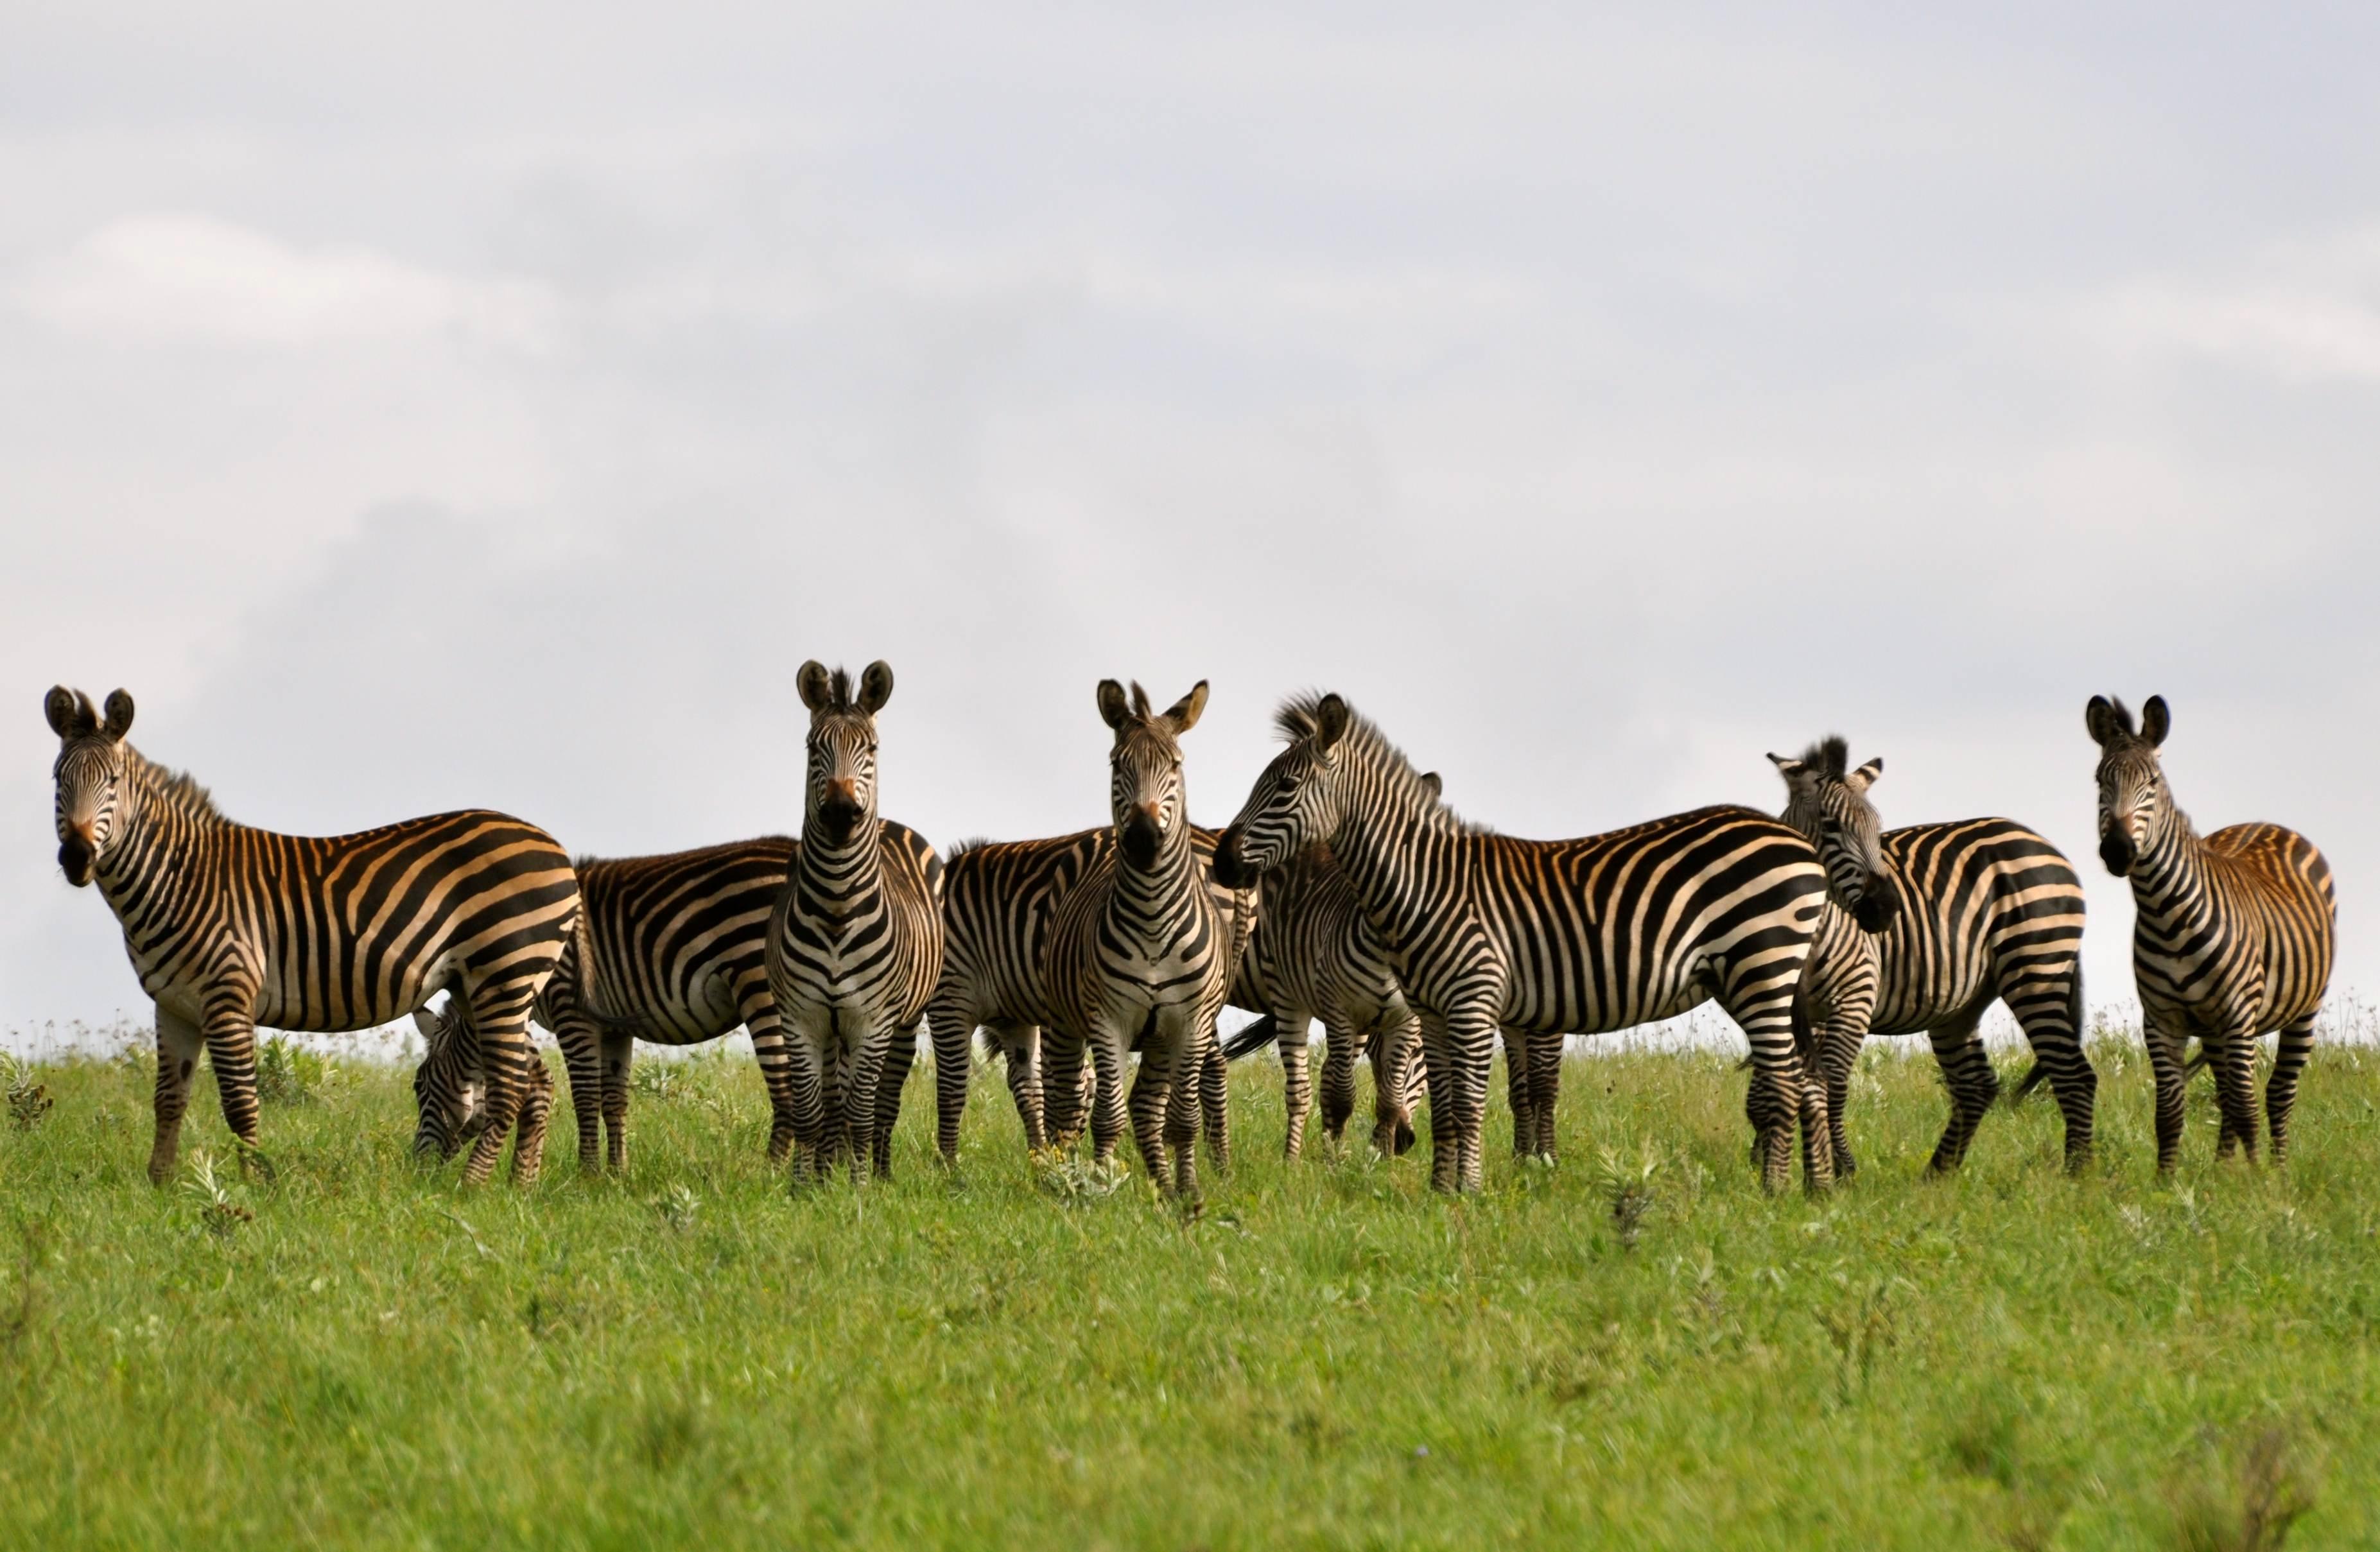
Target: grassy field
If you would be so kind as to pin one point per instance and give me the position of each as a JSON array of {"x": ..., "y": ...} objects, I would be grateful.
[{"x": 1634, "y": 1350}]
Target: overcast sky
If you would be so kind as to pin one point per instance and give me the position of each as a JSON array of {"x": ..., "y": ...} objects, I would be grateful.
[{"x": 453, "y": 405}]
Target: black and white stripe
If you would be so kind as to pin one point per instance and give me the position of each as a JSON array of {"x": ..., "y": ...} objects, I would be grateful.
[
  {"x": 449, "y": 1091},
  {"x": 1546, "y": 937},
  {"x": 230, "y": 927},
  {"x": 2233, "y": 936},
  {"x": 854, "y": 944}
]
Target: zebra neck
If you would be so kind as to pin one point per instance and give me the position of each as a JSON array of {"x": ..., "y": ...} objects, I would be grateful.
[
  {"x": 162, "y": 839},
  {"x": 1143, "y": 893},
  {"x": 2168, "y": 877},
  {"x": 1379, "y": 850},
  {"x": 841, "y": 878}
]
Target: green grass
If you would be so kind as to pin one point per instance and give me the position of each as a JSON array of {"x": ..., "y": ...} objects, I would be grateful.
[{"x": 1328, "y": 1357}]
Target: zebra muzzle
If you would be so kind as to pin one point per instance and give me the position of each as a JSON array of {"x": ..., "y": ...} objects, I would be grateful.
[
  {"x": 2116, "y": 851},
  {"x": 74, "y": 854},
  {"x": 1229, "y": 871}
]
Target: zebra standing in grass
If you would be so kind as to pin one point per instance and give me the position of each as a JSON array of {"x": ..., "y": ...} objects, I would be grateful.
[
  {"x": 999, "y": 904},
  {"x": 1926, "y": 927},
  {"x": 1313, "y": 955},
  {"x": 449, "y": 1091},
  {"x": 854, "y": 944},
  {"x": 230, "y": 927},
  {"x": 1546, "y": 936},
  {"x": 2233, "y": 938},
  {"x": 1140, "y": 954}
]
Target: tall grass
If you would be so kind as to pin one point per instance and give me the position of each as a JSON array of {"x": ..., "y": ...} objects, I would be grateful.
[{"x": 1636, "y": 1349}]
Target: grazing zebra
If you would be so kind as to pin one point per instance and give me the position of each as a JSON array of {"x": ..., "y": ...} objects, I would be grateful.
[
  {"x": 1313, "y": 955},
  {"x": 2233, "y": 937},
  {"x": 855, "y": 943},
  {"x": 1546, "y": 936},
  {"x": 672, "y": 950},
  {"x": 1000, "y": 904},
  {"x": 1140, "y": 954},
  {"x": 449, "y": 1088},
  {"x": 1986, "y": 910},
  {"x": 229, "y": 926}
]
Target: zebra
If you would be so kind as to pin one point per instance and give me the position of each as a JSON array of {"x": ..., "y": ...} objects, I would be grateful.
[
  {"x": 2233, "y": 936},
  {"x": 1139, "y": 953},
  {"x": 855, "y": 941},
  {"x": 1000, "y": 903},
  {"x": 1941, "y": 921},
  {"x": 230, "y": 927},
  {"x": 671, "y": 949},
  {"x": 449, "y": 1088},
  {"x": 1313, "y": 955},
  {"x": 1546, "y": 936}
]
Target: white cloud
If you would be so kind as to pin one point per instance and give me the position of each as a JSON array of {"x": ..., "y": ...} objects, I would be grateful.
[
  {"x": 169, "y": 278},
  {"x": 2304, "y": 311}
]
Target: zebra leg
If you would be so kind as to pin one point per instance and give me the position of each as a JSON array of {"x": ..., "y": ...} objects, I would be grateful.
[
  {"x": 1109, "y": 1049},
  {"x": 806, "y": 1030},
  {"x": 1215, "y": 1100},
  {"x": 1338, "y": 1076},
  {"x": 1021, "y": 1047},
  {"x": 1069, "y": 1086},
  {"x": 582, "y": 1059},
  {"x": 2281, "y": 1088},
  {"x": 1967, "y": 1074},
  {"x": 2165, "y": 1068},
  {"x": 1544, "y": 1091},
  {"x": 230, "y": 1029},
  {"x": 178, "y": 1059},
  {"x": 950, "y": 1024},
  {"x": 2049, "y": 1009},
  {"x": 900, "y": 1055},
  {"x": 619, "y": 1058},
  {"x": 528, "y": 1131},
  {"x": 1764, "y": 1010},
  {"x": 1836, "y": 1051},
  {"x": 1151, "y": 1090},
  {"x": 1411, "y": 1082},
  {"x": 761, "y": 1022},
  {"x": 1470, "y": 1042},
  {"x": 505, "y": 1056},
  {"x": 1297, "y": 1094},
  {"x": 1518, "y": 1094},
  {"x": 2235, "y": 1087},
  {"x": 1445, "y": 1153}
]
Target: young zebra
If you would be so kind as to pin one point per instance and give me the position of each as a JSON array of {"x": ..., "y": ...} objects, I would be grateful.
[
  {"x": 2233, "y": 938},
  {"x": 1139, "y": 953},
  {"x": 1546, "y": 936},
  {"x": 999, "y": 904},
  {"x": 450, "y": 1091},
  {"x": 1313, "y": 955},
  {"x": 1926, "y": 927},
  {"x": 674, "y": 950},
  {"x": 855, "y": 943},
  {"x": 229, "y": 926}
]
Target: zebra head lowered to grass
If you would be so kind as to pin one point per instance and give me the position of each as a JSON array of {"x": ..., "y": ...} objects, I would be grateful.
[
  {"x": 229, "y": 926},
  {"x": 449, "y": 1091},
  {"x": 856, "y": 941},
  {"x": 2233, "y": 933},
  {"x": 1142, "y": 953},
  {"x": 1829, "y": 803},
  {"x": 1546, "y": 937}
]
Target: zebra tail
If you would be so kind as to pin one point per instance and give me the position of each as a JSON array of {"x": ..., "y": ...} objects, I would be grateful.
[
  {"x": 1254, "y": 1038},
  {"x": 2076, "y": 1017}
]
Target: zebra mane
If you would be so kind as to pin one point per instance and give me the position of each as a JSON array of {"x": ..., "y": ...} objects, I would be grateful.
[
  {"x": 973, "y": 843},
  {"x": 1829, "y": 757},
  {"x": 1300, "y": 714},
  {"x": 178, "y": 789}
]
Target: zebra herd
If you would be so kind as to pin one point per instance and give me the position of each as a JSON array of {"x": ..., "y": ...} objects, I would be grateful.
[{"x": 1346, "y": 889}]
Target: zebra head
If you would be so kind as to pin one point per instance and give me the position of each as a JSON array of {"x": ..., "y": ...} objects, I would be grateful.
[
  {"x": 1829, "y": 803},
  {"x": 1297, "y": 802},
  {"x": 447, "y": 1086},
  {"x": 839, "y": 797},
  {"x": 94, "y": 799},
  {"x": 2134, "y": 801},
  {"x": 1145, "y": 793}
]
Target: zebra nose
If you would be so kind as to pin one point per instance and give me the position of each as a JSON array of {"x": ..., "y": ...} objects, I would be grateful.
[{"x": 1157, "y": 819}]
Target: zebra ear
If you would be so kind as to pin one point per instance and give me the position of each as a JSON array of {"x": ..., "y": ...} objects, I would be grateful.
[
  {"x": 1114, "y": 709},
  {"x": 432, "y": 1027},
  {"x": 2105, "y": 720},
  {"x": 1182, "y": 715},
  {"x": 1330, "y": 720},
  {"x": 1435, "y": 783},
  {"x": 119, "y": 716},
  {"x": 1865, "y": 777},
  {"x": 876, "y": 686},
  {"x": 1796, "y": 773},
  {"x": 69, "y": 712},
  {"x": 818, "y": 692},
  {"x": 2156, "y": 721}
]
